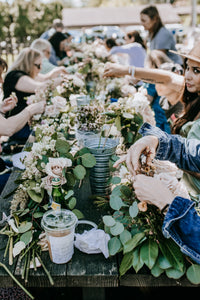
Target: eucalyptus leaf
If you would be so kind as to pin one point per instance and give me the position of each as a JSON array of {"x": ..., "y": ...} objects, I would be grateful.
[
  {"x": 133, "y": 209},
  {"x": 114, "y": 245},
  {"x": 193, "y": 274},
  {"x": 163, "y": 262},
  {"x": 35, "y": 196},
  {"x": 116, "y": 202},
  {"x": 149, "y": 253},
  {"x": 26, "y": 237},
  {"x": 69, "y": 194},
  {"x": 62, "y": 146},
  {"x": 78, "y": 213},
  {"x": 79, "y": 172},
  {"x": 118, "y": 123},
  {"x": 24, "y": 227},
  {"x": 72, "y": 203},
  {"x": 125, "y": 236},
  {"x": 38, "y": 214},
  {"x": 126, "y": 263},
  {"x": 117, "y": 229},
  {"x": 109, "y": 221},
  {"x": 88, "y": 160}
]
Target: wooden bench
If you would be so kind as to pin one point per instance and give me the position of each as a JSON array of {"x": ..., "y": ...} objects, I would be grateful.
[{"x": 92, "y": 273}]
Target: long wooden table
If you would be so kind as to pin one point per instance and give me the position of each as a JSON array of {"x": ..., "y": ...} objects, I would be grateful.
[{"x": 93, "y": 273}]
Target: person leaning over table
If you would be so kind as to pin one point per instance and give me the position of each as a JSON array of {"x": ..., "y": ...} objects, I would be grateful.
[
  {"x": 13, "y": 124},
  {"x": 182, "y": 219},
  {"x": 23, "y": 78}
]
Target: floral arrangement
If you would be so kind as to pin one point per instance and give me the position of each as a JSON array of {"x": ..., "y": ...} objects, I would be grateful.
[
  {"x": 127, "y": 115},
  {"x": 136, "y": 230},
  {"x": 73, "y": 84},
  {"x": 50, "y": 156}
]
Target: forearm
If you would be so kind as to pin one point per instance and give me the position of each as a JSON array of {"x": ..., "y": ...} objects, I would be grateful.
[
  {"x": 184, "y": 153},
  {"x": 15, "y": 123}
]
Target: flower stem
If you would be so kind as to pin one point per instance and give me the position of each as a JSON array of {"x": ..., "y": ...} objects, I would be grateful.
[
  {"x": 45, "y": 269},
  {"x": 18, "y": 283}
]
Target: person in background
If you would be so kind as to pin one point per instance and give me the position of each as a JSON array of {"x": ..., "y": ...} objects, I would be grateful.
[
  {"x": 58, "y": 52},
  {"x": 45, "y": 47},
  {"x": 23, "y": 79},
  {"x": 182, "y": 219},
  {"x": 11, "y": 125},
  {"x": 160, "y": 38},
  {"x": 57, "y": 26},
  {"x": 135, "y": 48}
]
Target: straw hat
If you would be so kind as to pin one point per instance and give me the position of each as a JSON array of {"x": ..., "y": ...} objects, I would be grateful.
[{"x": 194, "y": 54}]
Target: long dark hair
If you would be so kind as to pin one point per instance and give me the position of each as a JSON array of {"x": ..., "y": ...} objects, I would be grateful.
[
  {"x": 152, "y": 13},
  {"x": 137, "y": 37},
  {"x": 55, "y": 40},
  {"x": 191, "y": 102}
]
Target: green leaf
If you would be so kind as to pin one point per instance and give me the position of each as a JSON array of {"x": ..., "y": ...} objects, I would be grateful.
[
  {"x": 149, "y": 253},
  {"x": 109, "y": 221},
  {"x": 79, "y": 171},
  {"x": 115, "y": 180},
  {"x": 24, "y": 227},
  {"x": 26, "y": 237},
  {"x": 117, "y": 228},
  {"x": 78, "y": 213},
  {"x": 33, "y": 195},
  {"x": 114, "y": 245},
  {"x": 156, "y": 271},
  {"x": 137, "y": 260},
  {"x": 69, "y": 194},
  {"x": 173, "y": 254},
  {"x": 88, "y": 160},
  {"x": 131, "y": 244},
  {"x": 118, "y": 123},
  {"x": 126, "y": 191},
  {"x": 193, "y": 274},
  {"x": 116, "y": 202},
  {"x": 125, "y": 236},
  {"x": 38, "y": 214},
  {"x": 174, "y": 273},
  {"x": 126, "y": 263},
  {"x": 133, "y": 209},
  {"x": 163, "y": 262},
  {"x": 62, "y": 146},
  {"x": 72, "y": 203}
]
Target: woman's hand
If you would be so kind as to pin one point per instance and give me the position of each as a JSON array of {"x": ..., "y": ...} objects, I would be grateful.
[
  {"x": 115, "y": 70},
  {"x": 152, "y": 190},
  {"x": 59, "y": 71},
  {"x": 146, "y": 144},
  {"x": 8, "y": 104},
  {"x": 36, "y": 108}
]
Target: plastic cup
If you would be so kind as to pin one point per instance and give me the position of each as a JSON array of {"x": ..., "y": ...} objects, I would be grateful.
[{"x": 59, "y": 226}]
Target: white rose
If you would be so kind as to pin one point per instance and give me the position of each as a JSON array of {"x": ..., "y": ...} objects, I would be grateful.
[
  {"x": 59, "y": 102},
  {"x": 55, "y": 166}
]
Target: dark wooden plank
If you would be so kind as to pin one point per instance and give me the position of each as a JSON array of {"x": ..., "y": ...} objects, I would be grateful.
[{"x": 148, "y": 280}]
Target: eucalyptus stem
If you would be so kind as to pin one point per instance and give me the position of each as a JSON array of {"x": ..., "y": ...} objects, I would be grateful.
[
  {"x": 45, "y": 269},
  {"x": 107, "y": 136},
  {"x": 17, "y": 282},
  {"x": 24, "y": 269},
  {"x": 31, "y": 245}
]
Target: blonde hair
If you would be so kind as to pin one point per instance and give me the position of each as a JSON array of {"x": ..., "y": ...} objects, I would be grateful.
[
  {"x": 25, "y": 61},
  {"x": 41, "y": 45}
]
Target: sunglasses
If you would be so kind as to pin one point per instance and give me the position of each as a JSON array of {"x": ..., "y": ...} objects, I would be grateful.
[{"x": 38, "y": 66}]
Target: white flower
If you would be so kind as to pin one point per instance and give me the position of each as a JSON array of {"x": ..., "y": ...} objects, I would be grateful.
[
  {"x": 55, "y": 166},
  {"x": 59, "y": 102}
]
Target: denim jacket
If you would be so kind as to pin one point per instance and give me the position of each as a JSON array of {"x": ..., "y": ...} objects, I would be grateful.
[{"x": 181, "y": 223}]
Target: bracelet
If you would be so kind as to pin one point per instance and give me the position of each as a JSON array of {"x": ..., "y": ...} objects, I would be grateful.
[
  {"x": 133, "y": 72},
  {"x": 164, "y": 208}
]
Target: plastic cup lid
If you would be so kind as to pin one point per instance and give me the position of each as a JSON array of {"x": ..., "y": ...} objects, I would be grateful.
[{"x": 58, "y": 219}]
